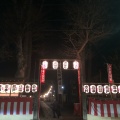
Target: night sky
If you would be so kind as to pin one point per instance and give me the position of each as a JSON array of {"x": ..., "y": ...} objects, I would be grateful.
[{"x": 56, "y": 22}]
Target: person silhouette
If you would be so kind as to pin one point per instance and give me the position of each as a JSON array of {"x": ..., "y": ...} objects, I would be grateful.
[{"x": 56, "y": 109}]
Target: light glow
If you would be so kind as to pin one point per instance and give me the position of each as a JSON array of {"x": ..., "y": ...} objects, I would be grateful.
[
  {"x": 114, "y": 89},
  {"x": 27, "y": 88},
  {"x": 34, "y": 88},
  {"x": 93, "y": 89},
  {"x": 86, "y": 88},
  {"x": 55, "y": 65},
  {"x": 45, "y": 64},
  {"x": 106, "y": 89},
  {"x": 75, "y": 64},
  {"x": 99, "y": 89},
  {"x": 65, "y": 65}
]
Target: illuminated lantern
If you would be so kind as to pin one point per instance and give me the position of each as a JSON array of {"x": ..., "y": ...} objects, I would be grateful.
[
  {"x": 14, "y": 88},
  {"x": 65, "y": 65},
  {"x": 114, "y": 89},
  {"x": 6, "y": 88},
  {"x": 99, "y": 89},
  {"x": 27, "y": 88},
  {"x": 45, "y": 64},
  {"x": 21, "y": 88},
  {"x": 34, "y": 88},
  {"x": 93, "y": 89},
  {"x": 106, "y": 89},
  {"x": 86, "y": 88},
  {"x": 75, "y": 64},
  {"x": 1, "y": 88},
  {"x": 118, "y": 88},
  {"x": 55, "y": 65}
]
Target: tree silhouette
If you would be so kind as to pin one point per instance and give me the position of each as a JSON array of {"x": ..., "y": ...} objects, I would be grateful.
[
  {"x": 22, "y": 23},
  {"x": 90, "y": 22}
]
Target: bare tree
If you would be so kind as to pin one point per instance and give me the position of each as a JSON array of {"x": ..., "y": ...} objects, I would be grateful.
[
  {"x": 91, "y": 21},
  {"x": 22, "y": 22}
]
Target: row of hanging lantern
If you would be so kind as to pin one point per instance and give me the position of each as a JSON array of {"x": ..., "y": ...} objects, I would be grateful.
[
  {"x": 15, "y": 88},
  {"x": 106, "y": 89},
  {"x": 65, "y": 64}
]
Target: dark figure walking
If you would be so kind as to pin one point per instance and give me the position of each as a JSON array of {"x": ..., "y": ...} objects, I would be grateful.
[{"x": 56, "y": 109}]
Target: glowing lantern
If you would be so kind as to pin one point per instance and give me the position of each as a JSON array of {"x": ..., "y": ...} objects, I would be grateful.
[
  {"x": 75, "y": 64},
  {"x": 106, "y": 89},
  {"x": 45, "y": 64},
  {"x": 34, "y": 88},
  {"x": 55, "y": 65},
  {"x": 27, "y": 88},
  {"x": 14, "y": 88},
  {"x": 1, "y": 88},
  {"x": 99, "y": 89},
  {"x": 118, "y": 88},
  {"x": 65, "y": 65},
  {"x": 114, "y": 89},
  {"x": 21, "y": 88},
  {"x": 5, "y": 88},
  {"x": 93, "y": 89},
  {"x": 86, "y": 88}
]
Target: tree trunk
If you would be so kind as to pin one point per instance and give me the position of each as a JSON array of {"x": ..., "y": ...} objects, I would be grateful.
[
  {"x": 20, "y": 60},
  {"x": 83, "y": 76},
  {"x": 27, "y": 54}
]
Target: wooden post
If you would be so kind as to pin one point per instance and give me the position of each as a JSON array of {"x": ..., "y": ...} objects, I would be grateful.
[
  {"x": 79, "y": 92},
  {"x": 84, "y": 103}
]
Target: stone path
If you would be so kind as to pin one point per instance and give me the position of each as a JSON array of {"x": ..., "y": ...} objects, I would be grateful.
[{"x": 48, "y": 115}]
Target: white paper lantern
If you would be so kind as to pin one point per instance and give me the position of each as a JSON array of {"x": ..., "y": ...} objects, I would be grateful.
[
  {"x": 34, "y": 88},
  {"x": 21, "y": 88},
  {"x": 106, "y": 89},
  {"x": 99, "y": 89},
  {"x": 118, "y": 88},
  {"x": 86, "y": 88},
  {"x": 14, "y": 88},
  {"x": 93, "y": 89},
  {"x": 65, "y": 65},
  {"x": 75, "y": 64},
  {"x": 1, "y": 88},
  {"x": 45, "y": 64},
  {"x": 114, "y": 89},
  {"x": 27, "y": 88},
  {"x": 55, "y": 65}
]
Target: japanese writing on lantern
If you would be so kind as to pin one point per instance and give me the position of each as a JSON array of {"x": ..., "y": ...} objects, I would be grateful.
[
  {"x": 100, "y": 89},
  {"x": 15, "y": 88}
]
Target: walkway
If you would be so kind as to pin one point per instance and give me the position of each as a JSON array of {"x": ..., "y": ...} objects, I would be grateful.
[{"x": 46, "y": 113}]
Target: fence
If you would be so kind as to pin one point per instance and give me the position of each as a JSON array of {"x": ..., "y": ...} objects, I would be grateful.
[
  {"x": 16, "y": 108},
  {"x": 104, "y": 108}
]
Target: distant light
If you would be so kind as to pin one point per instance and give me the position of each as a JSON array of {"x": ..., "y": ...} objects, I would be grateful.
[
  {"x": 65, "y": 65},
  {"x": 75, "y": 64},
  {"x": 62, "y": 87},
  {"x": 45, "y": 64},
  {"x": 55, "y": 65}
]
